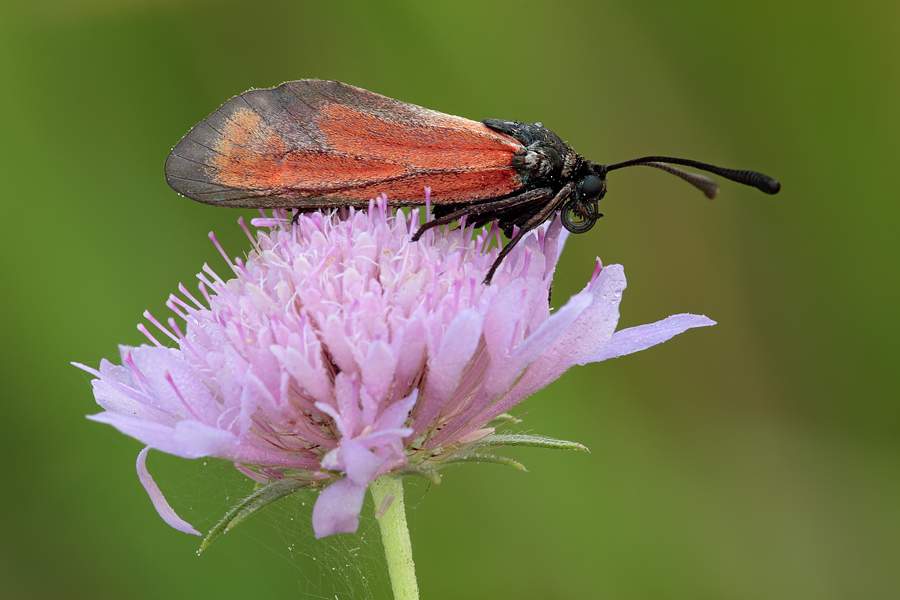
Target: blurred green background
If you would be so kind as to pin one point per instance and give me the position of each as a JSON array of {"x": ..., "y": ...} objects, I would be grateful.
[{"x": 755, "y": 459}]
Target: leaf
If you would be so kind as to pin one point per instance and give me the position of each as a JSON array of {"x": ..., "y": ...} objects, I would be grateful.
[
  {"x": 503, "y": 419},
  {"x": 485, "y": 458},
  {"x": 429, "y": 474},
  {"x": 254, "y": 503},
  {"x": 536, "y": 441}
]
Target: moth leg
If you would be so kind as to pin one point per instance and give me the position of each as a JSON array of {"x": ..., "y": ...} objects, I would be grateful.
[
  {"x": 535, "y": 220},
  {"x": 485, "y": 207}
]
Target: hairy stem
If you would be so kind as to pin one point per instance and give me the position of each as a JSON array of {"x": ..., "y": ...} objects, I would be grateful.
[{"x": 395, "y": 536}]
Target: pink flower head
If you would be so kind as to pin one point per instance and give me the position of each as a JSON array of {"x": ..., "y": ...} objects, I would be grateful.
[{"x": 341, "y": 351}]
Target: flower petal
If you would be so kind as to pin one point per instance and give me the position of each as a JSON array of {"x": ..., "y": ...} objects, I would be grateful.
[
  {"x": 340, "y": 342},
  {"x": 378, "y": 371},
  {"x": 492, "y": 399},
  {"x": 592, "y": 329},
  {"x": 157, "y": 498},
  {"x": 445, "y": 368},
  {"x": 337, "y": 508},
  {"x": 310, "y": 376},
  {"x": 642, "y": 337},
  {"x": 360, "y": 463},
  {"x": 395, "y": 415},
  {"x": 187, "y": 439}
]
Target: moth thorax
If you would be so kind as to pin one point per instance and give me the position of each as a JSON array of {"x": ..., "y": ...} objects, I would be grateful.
[
  {"x": 571, "y": 163},
  {"x": 542, "y": 162}
]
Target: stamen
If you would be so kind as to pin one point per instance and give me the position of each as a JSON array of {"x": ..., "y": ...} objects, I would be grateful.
[
  {"x": 401, "y": 221},
  {"x": 175, "y": 308},
  {"x": 428, "y": 215},
  {"x": 382, "y": 208},
  {"x": 266, "y": 221},
  {"x": 181, "y": 336},
  {"x": 221, "y": 250},
  {"x": 246, "y": 342},
  {"x": 176, "y": 300},
  {"x": 188, "y": 295},
  {"x": 135, "y": 372},
  {"x": 143, "y": 329},
  {"x": 90, "y": 370},
  {"x": 479, "y": 242},
  {"x": 597, "y": 269},
  {"x": 174, "y": 325},
  {"x": 202, "y": 287},
  {"x": 149, "y": 316},
  {"x": 187, "y": 405},
  {"x": 240, "y": 265},
  {"x": 247, "y": 232},
  {"x": 208, "y": 270},
  {"x": 404, "y": 257},
  {"x": 495, "y": 231}
]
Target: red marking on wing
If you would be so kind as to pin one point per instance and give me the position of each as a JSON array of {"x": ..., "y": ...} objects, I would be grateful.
[
  {"x": 445, "y": 144},
  {"x": 348, "y": 147},
  {"x": 446, "y": 187},
  {"x": 251, "y": 155}
]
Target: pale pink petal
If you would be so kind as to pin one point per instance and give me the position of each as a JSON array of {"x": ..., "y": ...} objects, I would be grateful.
[
  {"x": 587, "y": 334},
  {"x": 492, "y": 399},
  {"x": 446, "y": 367},
  {"x": 157, "y": 498},
  {"x": 187, "y": 439},
  {"x": 119, "y": 398},
  {"x": 378, "y": 371},
  {"x": 338, "y": 343},
  {"x": 312, "y": 378},
  {"x": 394, "y": 416},
  {"x": 503, "y": 325},
  {"x": 408, "y": 346},
  {"x": 635, "y": 339},
  {"x": 361, "y": 464},
  {"x": 337, "y": 508}
]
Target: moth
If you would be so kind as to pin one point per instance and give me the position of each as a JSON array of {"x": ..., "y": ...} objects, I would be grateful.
[{"x": 310, "y": 145}]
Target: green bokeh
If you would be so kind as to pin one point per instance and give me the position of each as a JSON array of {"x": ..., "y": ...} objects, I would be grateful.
[{"x": 756, "y": 459}]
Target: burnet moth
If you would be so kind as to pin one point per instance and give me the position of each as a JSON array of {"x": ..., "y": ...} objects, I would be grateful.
[{"x": 310, "y": 145}]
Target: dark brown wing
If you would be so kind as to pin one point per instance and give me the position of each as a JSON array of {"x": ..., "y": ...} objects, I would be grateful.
[{"x": 316, "y": 143}]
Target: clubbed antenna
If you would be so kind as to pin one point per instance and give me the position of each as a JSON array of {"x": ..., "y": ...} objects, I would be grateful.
[{"x": 755, "y": 179}]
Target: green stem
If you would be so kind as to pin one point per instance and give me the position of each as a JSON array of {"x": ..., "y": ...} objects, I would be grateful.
[{"x": 395, "y": 537}]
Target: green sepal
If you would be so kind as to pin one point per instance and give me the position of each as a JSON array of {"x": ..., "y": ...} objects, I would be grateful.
[
  {"x": 498, "y": 440},
  {"x": 429, "y": 474},
  {"x": 478, "y": 457},
  {"x": 504, "y": 419},
  {"x": 254, "y": 503}
]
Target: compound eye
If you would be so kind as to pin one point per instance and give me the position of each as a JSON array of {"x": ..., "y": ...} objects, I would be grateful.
[{"x": 590, "y": 187}]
